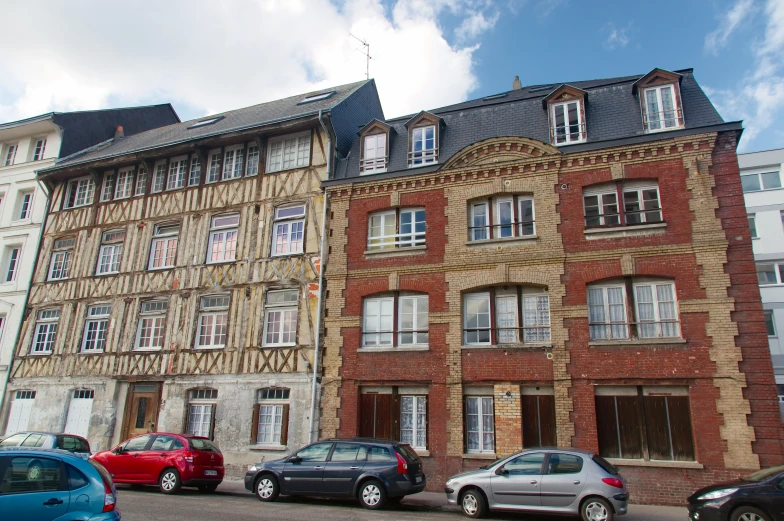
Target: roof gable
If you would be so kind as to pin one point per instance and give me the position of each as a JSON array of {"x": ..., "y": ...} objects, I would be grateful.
[
  {"x": 375, "y": 124},
  {"x": 564, "y": 92},
  {"x": 423, "y": 116},
  {"x": 656, "y": 77}
]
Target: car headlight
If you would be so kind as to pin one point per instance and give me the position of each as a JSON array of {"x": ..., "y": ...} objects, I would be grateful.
[
  {"x": 253, "y": 468},
  {"x": 451, "y": 481},
  {"x": 716, "y": 494}
]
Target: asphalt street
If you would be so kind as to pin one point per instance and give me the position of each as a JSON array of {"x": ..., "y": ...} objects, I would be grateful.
[{"x": 232, "y": 503}]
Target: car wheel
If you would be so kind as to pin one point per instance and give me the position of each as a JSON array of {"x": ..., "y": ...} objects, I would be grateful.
[
  {"x": 596, "y": 509},
  {"x": 473, "y": 503},
  {"x": 749, "y": 514},
  {"x": 170, "y": 481},
  {"x": 372, "y": 495},
  {"x": 207, "y": 489},
  {"x": 267, "y": 488},
  {"x": 34, "y": 470}
]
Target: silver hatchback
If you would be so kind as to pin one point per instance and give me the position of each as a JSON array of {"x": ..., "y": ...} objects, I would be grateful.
[{"x": 557, "y": 481}]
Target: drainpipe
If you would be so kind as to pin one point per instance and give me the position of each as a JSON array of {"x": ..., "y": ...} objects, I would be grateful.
[
  {"x": 322, "y": 267},
  {"x": 26, "y": 300}
]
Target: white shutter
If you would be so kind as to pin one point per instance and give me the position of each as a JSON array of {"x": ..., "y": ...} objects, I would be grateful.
[
  {"x": 20, "y": 415},
  {"x": 79, "y": 412}
]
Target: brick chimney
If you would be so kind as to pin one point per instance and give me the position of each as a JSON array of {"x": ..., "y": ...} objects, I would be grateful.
[
  {"x": 119, "y": 133},
  {"x": 516, "y": 85}
]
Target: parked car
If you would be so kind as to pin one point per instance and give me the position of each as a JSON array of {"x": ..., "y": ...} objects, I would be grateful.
[
  {"x": 372, "y": 470},
  {"x": 757, "y": 497},
  {"x": 47, "y": 484},
  {"x": 168, "y": 460},
  {"x": 49, "y": 440},
  {"x": 557, "y": 481}
]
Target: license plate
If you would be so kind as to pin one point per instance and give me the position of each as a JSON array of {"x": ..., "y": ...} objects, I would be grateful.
[
  {"x": 418, "y": 479},
  {"x": 210, "y": 472}
]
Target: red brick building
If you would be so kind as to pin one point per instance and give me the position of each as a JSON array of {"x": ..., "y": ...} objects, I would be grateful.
[{"x": 555, "y": 265}]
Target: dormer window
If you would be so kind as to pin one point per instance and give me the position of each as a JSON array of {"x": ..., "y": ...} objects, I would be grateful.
[
  {"x": 566, "y": 112},
  {"x": 423, "y": 139},
  {"x": 374, "y": 159},
  {"x": 660, "y": 100}
]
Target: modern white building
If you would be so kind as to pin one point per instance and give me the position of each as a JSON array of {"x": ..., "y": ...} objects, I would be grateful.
[
  {"x": 763, "y": 191},
  {"x": 27, "y": 146}
]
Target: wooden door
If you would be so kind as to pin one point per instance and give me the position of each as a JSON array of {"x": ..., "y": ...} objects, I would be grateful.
[
  {"x": 141, "y": 409},
  {"x": 376, "y": 416}
]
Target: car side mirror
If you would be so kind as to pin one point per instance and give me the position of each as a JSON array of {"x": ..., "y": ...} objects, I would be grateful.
[
  {"x": 118, "y": 450},
  {"x": 501, "y": 471},
  {"x": 295, "y": 459}
]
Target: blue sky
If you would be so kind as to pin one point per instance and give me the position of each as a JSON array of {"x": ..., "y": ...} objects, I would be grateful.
[{"x": 205, "y": 57}]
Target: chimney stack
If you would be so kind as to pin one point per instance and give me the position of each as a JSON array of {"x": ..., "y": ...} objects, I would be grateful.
[
  {"x": 516, "y": 85},
  {"x": 119, "y": 133}
]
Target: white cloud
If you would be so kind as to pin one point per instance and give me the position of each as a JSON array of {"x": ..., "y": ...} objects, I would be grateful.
[
  {"x": 616, "y": 37},
  {"x": 216, "y": 56},
  {"x": 729, "y": 21}
]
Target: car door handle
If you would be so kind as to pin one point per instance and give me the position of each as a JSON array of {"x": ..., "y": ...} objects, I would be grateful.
[
  {"x": 53, "y": 501},
  {"x": 533, "y": 482},
  {"x": 317, "y": 468},
  {"x": 576, "y": 482},
  {"x": 163, "y": 455},
  {"x": 353, "y": 468}
]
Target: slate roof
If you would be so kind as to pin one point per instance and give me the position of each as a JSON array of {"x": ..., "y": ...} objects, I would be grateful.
[
  {"x": 612, "y": 113},
  {"x": 231, "y": 121}
]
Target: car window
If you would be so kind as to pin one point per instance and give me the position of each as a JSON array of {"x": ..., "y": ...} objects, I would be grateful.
[
  {"x": 72, "y": 444},
  {"x": 107, "y": 478},
  {"x": 163, "y": 443},
  {"x": 13, "y": 441},
  {"x": 379, "y": 454},
  {"x": 762, "y": 475},
  {"x": 137, "y": 444},
  {"x": 316, "y": 452},
  {"x": 26, "y": 474},
  {"x": 32, "y": 440},
  {"x": 75, "y": 478},
  {"x": 781, "y": 484},
  {"x": 203, "y": 444},
  {"x": 526, "y": 465},
  {"x": 564, "y": 464},
  {"x": 347, "y": 452},
  {"x": 408, "y": 453},
  {"x": 606, "y": 465}
]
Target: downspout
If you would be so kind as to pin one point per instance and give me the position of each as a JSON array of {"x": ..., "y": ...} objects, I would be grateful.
[
  {"x": 322, "y": 267},
  {"x": 26, "y": 300}
]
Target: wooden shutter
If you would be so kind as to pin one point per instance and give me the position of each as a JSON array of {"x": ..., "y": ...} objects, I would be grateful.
[
  {"x": 384, "y": 420},
  {"x": 212, "y": 421},
  {"x": 629, "y": 426},
  {"x": 547, "y": 421},
  {"x": 656, "y": 427},
  {"x": 395, "y": 416},
  {"x": 366, "y": 407},
  {"x": 680, "y": 426},
  {"x": 607, "y": 427},
  {"x": 254, "y": 426},
  {"x": 530, "y": 421},
  {"x": 284, "y": 426}
]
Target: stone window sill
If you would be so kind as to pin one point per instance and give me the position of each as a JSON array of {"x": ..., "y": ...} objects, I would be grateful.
[
  {"x": 391, "y": 349},
  {"x": 505, "y": 240},
  {"x": 422, "y": 453},
  {"x": 659, "y": 464},
  {"x": 626, "y": 342},
  {"x": 508, "y": 346},
  {"x": 268, "y": 447},
  {"x": 480, "y": 455},
  {"x": 396, "y": 252},
  {"x": 625, "y": 231}
]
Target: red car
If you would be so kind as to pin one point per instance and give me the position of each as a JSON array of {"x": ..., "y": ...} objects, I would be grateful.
[{"x": 168, "y": 460}]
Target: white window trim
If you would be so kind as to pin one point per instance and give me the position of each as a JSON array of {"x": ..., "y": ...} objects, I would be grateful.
[
  {"x": 234, "y": 160},
  {"x": 193, "y": 166},
  {"x": 656, "y": 311},
  {"x": 486, "y": 227},
  {"x": 271, "y": 403},
  {"x": 9, "y": 249},
  {"x": 226, "y": 229},
  {"x": 128, "y": 172},
  {"x": 482, "y": 449},
  {"x": 599, "y": 193},
  {"x": 9, "y": 158},
  {"x": 677, "y": 109},
  {"x": 42, "y": 155},
  {"x": 68, "y": 253},
  {"x": 777, "y": 267},
  {"x": 758, "y": 174},
  {"x": 377, "y": 333},
  {"x": 568, "y": 135},
  {"x": 214, "y": 312},
  {"x": 20, "y": 205},
  {"x": 159, "y": 237},
  {"x": 39, "y": 322},
  {"x": 248, "y": 154},
  {"x": 642, "y": 213},
  {"x": 283, "y": 308},
  {"x": 290, "y": 221},
  {"x": 91, "y": 319},
  {"x": 107, "y": 186},
  {"x": 606, "y": 305},
  {"x": 212, "y": 404},
  {"x": 151, "y": 315},
  {"x": 413, "y": 239},
  {"x": 374, "y": 165},
  {"x": 429, "y": 155},
  {"x": 140, "y": 186},
  {"x": 214, "y": 161},
  {"x": 177, "y": 165},
  {"x": 274, "y": 141},
  {"x": 156, "y": 170},
  {"x": 485, "y": 296},
  {"x": 111, "y": 244},
  {"x": 417, "y": 298},
  {"x": 89, "y": 192},
  {"x": 773, "y": 321}
]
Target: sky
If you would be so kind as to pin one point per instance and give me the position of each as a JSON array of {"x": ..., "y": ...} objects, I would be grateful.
[{"x": 207, "y": 56}]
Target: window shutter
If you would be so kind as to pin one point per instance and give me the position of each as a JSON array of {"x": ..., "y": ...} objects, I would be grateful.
[
  {"x": 396, "y": 415},
  {"x": 530, "y": 421},
  {"x": 254, "y": 426},
  {"x": 214, "y": 408},
  {"x": 284, "y": 426},
  {"x": 607, "y": 427},
  {"x": 680, "y": 425}
]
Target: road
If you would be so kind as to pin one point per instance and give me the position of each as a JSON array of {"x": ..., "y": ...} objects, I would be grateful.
[{"x": 232, "y": 503}]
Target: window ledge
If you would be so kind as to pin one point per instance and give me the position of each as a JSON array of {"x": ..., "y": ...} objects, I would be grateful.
[
  {"x": 146, "y": 350},
  {"x": 431, "y": 163},
  {"x": 480, "y": 455},
  {"x": 532, "y": 345},
  {"x": 208, "y": 348},
  {"x": 91, "y": 353},
  {"x": 628, "y": 342},
  {"x": 661, "y": 464},
  {"x": 41, "y": 353},
  {"x": 268, "y": 447},
  {"x": 625, "y": 231},
  {"x": 422, "y": 453},
  {"x": 503, "y": 240},
  {"x": 397, "y": 252},
  {"x": 391, "y": 349}
]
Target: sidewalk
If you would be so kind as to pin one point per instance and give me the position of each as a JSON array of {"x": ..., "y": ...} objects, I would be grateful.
[{"x": 435, "y": 501}]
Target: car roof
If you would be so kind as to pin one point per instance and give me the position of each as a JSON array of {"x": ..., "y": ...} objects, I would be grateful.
[
  {"x": 45, "y": 434},
  {"x": 377, "y": 441},
  {"x": 63, "y": 454},
  {"x": 560, "y": 449}
]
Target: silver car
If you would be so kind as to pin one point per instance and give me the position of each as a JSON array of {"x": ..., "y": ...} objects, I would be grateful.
[{"x": 557, "y": 481}]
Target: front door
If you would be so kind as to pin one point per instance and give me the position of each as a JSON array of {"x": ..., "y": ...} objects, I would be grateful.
[
  {"x": 519, "y": 485},
  {"x": 141, "y": 409},
  {"x": 304, "y": 474}
]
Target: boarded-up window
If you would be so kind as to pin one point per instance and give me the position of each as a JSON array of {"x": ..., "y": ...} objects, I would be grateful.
[{"x": 538, "y": 421}]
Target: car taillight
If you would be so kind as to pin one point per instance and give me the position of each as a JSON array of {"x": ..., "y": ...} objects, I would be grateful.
[
  {"x": 613, "y": 482},
  {"x": 402, "y": 466},
  {"x": 109, "y": 501},
  {"x": 188, "y": 456}
]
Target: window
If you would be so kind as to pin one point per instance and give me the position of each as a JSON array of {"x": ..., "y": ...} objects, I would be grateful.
[
  {"x": 375, "y": 154},
  {"x": 205, "y": 122},
  {"x": 94, "y": 338},
  {"x": 24, "y": 205},
  {"x": 213, "y": 320},
  {"x": 40, "y": 149},
  {"x": 21, "y": 479},
  {"x": 506, "y": 315},
  {"x": 110, "y": 254},
  {"x": 107, "y": 189},
  {"x": 655, "y": 308},
  {"x": 512, "y": 216},
  {"x": 479, "y": 424},
  {"x": 752, "y": 225},
  {"x": 177, "y": 169},
  {"x": 564, "y": 464},
  {"x": 289, "y": 152},
  {"x": 567, "y": 123},
  {"x": 412, "y": 316},
  {"x": 214, "y": 171},
  {"x": 232, "y": 163},
  {"x": 45, "y": 331},
  {"x": 770, "y": 324},
  {"x": 661, "y": 109},
  {"x": 772, "y": 273},
  {"x": 124, "y": 183},
  {"x": 163, "y": 251},
  {"x": 12, "y": 257},
  {"x": 271, "y": 419},
  {"x": 538, "y": 419},
  {"x": 10, "y": 154},
  {"x": 152, "y": 319},
  {"x": 79, "y": 192},
  {"x": 423, "y": 146},
  {"x": 60, "y": 264},
  {"x": 640, "y": 205},
  {"x": 647, "y": 423},
  {"x": 195, "y": 173},
  {"x": 223, "y": 238},
  {"x": 201, "y": 412},
  {"x": 413, "y": 421},
  {"x": 526, "y": 465},
  {"x": 252, "y": 166},
  {"x": 289, "y": 229},
  {"x": 384, "y": 232},
  {"x": 159, "y": 177},
  {"x": 141, "y": 182},
  {"x": 316, "y": 97},
  {"x": 280, "y": 318},
  {"x": 166, "y": 443},
  {"x": 762, "y": 181}
]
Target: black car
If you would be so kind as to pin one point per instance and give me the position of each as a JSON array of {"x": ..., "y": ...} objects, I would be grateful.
[
  {"x": 758, "y": 497},
  {"x": 49, "y": 440},
  {"x": 372, "y": 470}
]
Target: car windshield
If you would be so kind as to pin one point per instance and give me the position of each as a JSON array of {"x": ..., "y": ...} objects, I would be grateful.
[
  {"x": 496, "y": 462},
  {"x": 203, "y": 444},
  {"x": 762, "y": 475}
]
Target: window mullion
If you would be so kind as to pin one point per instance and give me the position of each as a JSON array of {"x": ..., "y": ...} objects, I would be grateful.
[{"x": 490, "y": 222}]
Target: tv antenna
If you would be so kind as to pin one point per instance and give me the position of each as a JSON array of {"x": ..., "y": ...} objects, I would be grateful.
[{"x": 366, "y": 53}]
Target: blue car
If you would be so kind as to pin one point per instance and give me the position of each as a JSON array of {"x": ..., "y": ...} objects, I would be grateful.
[{"x": 54, "y": 485}]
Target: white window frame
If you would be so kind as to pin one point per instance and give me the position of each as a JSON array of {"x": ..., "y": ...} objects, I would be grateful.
[
  {"x": 657, "y": 305},
  {"x": 772, "y": 315},
  {"x": 141, "y": 182},
  {"x": 289, "y": 152},
  {"x": 212, "y": 328},
  {"x": 568, "y": 140},
  {"x": 758, "y": 175},
  {"x": 225, "y": 237},
  {"x": 83, "y": 191},
  {"x": 481, "y": 407},
  {"x": 96, "y": 326},
  {"x": 124, "y": 185},
  {"x": 12, "y": 262},
  {"x": 205, "y": 402},
  {"x": 415, "y": 415},
  {"x": 253, "y": 160},
  {"x": 420, "y": 332},
  {"x": 283, "y": 227},
  {"x": 660, "y": 120},
  {"x": 537, "y": 333},
  {"x": 10, "y": 154},
  {"x": 375, "y": 336},
  {"x": 60, "y": 261},
  {"x": 753, "y": 225},
  {"x": 483, "y": 296},
  {"x": 46, "y": 324},
  {"x": 378, "y": 162},
  {"x": 158, "y": 178},
  {"x": 427, "y": 156},
  {"x": 107, "y": 187},
  {"x": 283, "y": 310},
  {"x": 152, "y": 317},
  {"x": 233, "y": 158},
  {"x": 178, "y": 168},
  {"x": 603, "y": 217},
  {"x": 194, "y": 171},
  {"x": 213, "y": 166},
  {"x": 643, "y": 213},
  {"x": 162, "y": 235},
  {"x": 625, "y": 335},
  {"x": 477, "y": 230},
  {"x": 273, "y": 409},
  {"x": 778, "y": 266},
  {"x": 111, "y": 251},
  {"x": 397, "y": 240},
  {"x": 24, "y": 207},
  {"x": 39, "y": 149}
]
